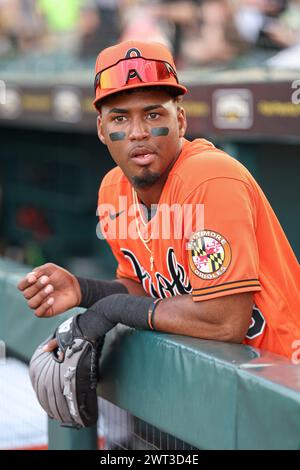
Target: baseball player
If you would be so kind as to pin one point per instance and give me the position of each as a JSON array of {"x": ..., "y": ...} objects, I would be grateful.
[{"x": 228, "y": 275}]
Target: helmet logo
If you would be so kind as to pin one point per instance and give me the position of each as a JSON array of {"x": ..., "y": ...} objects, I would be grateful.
[{"x": 133, "y": 52}]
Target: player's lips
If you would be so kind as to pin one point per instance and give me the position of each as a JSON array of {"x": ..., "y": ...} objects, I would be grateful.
[{"x": 142, "y": 156}]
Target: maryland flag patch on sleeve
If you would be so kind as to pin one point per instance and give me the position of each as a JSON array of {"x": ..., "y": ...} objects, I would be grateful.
[{"x": 209, "y": 254}]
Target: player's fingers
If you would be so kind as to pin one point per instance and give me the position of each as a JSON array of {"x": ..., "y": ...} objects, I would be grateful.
[
  {"x": 39, "y": 286},
  {"x": 30, "y": 279},
  {"x": 53, "y": 344},
  {"x": 37, "y": 299},
  {"x": 46, "y": 308},
  {"x": 26, "y": 281},
  {"x": 45, "y": 269}
]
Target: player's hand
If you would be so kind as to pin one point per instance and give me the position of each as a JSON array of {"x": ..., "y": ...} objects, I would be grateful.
[
  {"x": 49, "y": 347},
  {"x": 50, "y": 290}
]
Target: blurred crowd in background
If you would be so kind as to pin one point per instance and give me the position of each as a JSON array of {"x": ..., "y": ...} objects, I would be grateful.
[{"x": 199, "y": 32}]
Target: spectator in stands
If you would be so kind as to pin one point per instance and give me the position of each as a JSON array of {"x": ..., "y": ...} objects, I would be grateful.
[
  {"x": 99, "y": 25},
  {"x": 139, "y": 22},
  {"x": 8, "y": 39},
  {"x": 258, "y": 22},
  {"x": 179, "y": 16},
  {"x": 200, "y": 31},
  {"x": 286, "y": 31},
  {"x": 61, "y": 20},
  {"x": 214, "y": 39},
  {"x": 21, "y": 26}
]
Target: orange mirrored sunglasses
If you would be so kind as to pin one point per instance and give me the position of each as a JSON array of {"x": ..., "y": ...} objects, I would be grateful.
[{"x": 146, "y": 70}]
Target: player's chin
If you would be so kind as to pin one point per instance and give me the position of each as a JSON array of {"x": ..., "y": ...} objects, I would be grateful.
[{"x": 145, "y": 179}]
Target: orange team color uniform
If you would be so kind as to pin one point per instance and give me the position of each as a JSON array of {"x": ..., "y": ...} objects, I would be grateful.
[{"x": 239, "y": 247}]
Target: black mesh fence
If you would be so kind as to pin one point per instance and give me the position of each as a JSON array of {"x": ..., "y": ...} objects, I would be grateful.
[{"x": 119, "y": 430}]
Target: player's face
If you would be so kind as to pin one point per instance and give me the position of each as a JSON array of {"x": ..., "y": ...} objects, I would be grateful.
[{"x": 143, "y": 132}]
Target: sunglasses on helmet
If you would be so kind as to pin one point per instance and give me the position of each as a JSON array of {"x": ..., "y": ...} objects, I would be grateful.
[{"x": 146, "y": 70}]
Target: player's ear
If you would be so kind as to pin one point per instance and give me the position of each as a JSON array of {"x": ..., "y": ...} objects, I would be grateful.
[
  {"x": 100, "y": 129},
  {"x": 181, "y": 118}
]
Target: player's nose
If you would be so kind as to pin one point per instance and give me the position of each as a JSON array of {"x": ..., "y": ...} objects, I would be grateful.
[{"x": 138, "y": 130}]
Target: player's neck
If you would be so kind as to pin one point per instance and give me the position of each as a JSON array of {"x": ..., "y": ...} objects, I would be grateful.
[{"x": 151, "y": 195}]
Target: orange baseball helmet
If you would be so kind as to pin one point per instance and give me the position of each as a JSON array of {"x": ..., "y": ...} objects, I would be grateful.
[{"x": 134, "y": 64}]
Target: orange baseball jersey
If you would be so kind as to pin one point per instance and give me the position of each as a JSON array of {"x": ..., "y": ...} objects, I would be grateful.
[{"x": 213, "y": 234}]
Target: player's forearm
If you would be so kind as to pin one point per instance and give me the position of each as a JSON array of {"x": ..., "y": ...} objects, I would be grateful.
[
  {"x": 181, "y": 315},
  {"x": 223, "y": 319},
  {"x": 133, "y": 287},
  {"x": 93, "y": 290}
]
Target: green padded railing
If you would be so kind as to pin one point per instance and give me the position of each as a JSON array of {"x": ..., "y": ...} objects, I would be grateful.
[{"x": 210, "y": 394}]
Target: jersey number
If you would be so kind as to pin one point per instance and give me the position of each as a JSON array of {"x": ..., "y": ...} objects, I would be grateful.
[{"x": 257, "y": 325}]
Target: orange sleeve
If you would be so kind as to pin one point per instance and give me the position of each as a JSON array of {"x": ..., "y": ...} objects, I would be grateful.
[{"x": 223, "y": 254}]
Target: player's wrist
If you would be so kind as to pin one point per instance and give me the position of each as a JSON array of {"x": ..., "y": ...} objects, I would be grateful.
[
  {"x": 151, "y": 314},
  {"x": 77, "y": 291},
  {"x": 93, "y": 290}
]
